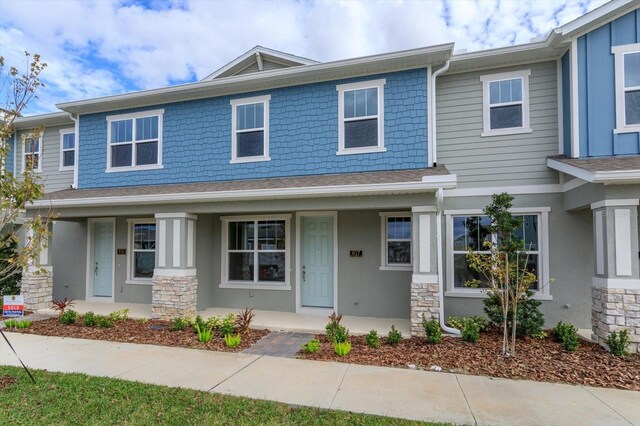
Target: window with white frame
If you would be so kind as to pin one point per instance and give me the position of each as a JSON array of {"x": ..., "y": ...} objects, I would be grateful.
[
  {"x": 134, "y": 141},
  {"x": 505, "y": 103},
  {"x": 627, "y": 70},
  {"x": 67, "y": 149},
  {"x": 255, "y": 252},
  {"x": 142, "y": 250},
  {"x": 396, "y": 241},
  {"x": 32, "y": 155},
  {"x": 250, "y": 129},
  {"x": 361, "y": 117}
]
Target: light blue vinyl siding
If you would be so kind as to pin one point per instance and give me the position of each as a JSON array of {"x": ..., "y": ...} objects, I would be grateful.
[
  {"x": 303, "y": 136},
  {"x": 566, "y": 103}
]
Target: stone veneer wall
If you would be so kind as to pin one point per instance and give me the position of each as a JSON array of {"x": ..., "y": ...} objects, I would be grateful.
[
  {"x": 37, "y": 288},
  {"x": 614, "y": 310},
  {"x": 173, "y": 297},
  {"x": 424, "y": 301}
]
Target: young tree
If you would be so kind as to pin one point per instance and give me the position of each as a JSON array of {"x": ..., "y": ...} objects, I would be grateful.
[{"x": 17, "y": 192}]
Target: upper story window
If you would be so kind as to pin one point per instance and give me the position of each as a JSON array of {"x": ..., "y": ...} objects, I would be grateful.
[
  {"x": 134, "y": 141},
  {"x": 396, "y": 241},
  {"x": 361, "y": 117},
  {"x": 505, "y": 103},
  {"x": 32, "y": 156},
  {"x": 627, "y": 64},
  {"x": 250, "y": 129},
  {"x": 67, "y": 149}
]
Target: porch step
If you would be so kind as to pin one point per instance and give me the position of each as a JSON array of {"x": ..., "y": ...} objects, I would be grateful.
[{"x": 284, "y": 344}]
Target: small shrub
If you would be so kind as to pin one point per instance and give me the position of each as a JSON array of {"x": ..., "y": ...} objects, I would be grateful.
[
  {"x": 179, "y": 324},
  {"x": 470, "y": 331},
  {"x": 62, "y": 305},
  {"x": 342, "y": 348},
  {"x": 312, "y": 346},
  {"x": 394, "y": 337},
  {"x": 459, "y": 323},
  {"x": 120, "y": 315},
  {"x": 228, "y": 324},
  {"x": 618, "y": 342},
  {"x": 90, "y": 319},
  {"x": 232, "y": 340},
  {"x": 204, "y": 332},
  {"x": 340, "y": 334},
  {"x": 530, "y": 319},
  {"x": 104, "y": 321},
  {"x": 372, "y": 339},
  {"x": 432, "y": 330},
  {"x": 19, "y": 324},
  {"x": 566, "y": 334},
  {"x": 243, "y": 320},
  {"x": 68, "y": 317},
  {"x": 334, "y": 327},
  {"x": 11, "y": 323},
  {"x": 214, "y": 322}
]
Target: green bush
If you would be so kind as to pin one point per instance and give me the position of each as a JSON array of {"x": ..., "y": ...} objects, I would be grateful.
[
  {"x": 335, "y": 331},
  {"x": 90, "y": 319},
  {"x": 618, "y": 342},
  {"x": 214, "y": 322},
  {"x": 205, "y": 332},
  {"x": 459, "y": 323},
  {"x": 179, "y": 324},
  {"x": 432, "y": 330},
  {"x": 530, "y": 319},
  {"x": 372, "y": 339},
  {"x": 232, "y": 340},
  {"x": 228, "y": 324},
  {"x": 342, "y": 348},
  {"x": 10, "y": 283},
  {"x": 16, "y": 323},
  {"x": 104, "y": 322},
  {"x": 312, "y": 346},
  {"x": 470, "y": 331},
  {"x": 121, "y": 315},
  {"x": 394, "y": 337},
  {"x": 566, "y": 334},
  {"x": 68, "y": 317}
]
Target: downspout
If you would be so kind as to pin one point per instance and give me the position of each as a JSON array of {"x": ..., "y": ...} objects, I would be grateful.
[
  {"x": 433, "y": 110},
  {"x": 75, "y": 151},
  {"x": 439, "y": 205}
]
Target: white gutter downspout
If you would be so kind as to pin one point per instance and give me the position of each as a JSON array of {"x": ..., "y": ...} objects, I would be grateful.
[
  {"x": 432, "y": 108},
  {"x": 439, "y": 205},
  {"x": 75, "y": 151}
]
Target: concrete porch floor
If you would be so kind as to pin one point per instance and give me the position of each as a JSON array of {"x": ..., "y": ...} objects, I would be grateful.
[{"x": 270, "y": 320}]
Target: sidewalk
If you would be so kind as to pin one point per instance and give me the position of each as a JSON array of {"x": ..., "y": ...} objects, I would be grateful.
[{"x": 418, "y": 395}]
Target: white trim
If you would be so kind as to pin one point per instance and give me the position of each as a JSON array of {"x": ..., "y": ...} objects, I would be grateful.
[
  {"x": 424, "y": 278},
  {"x": 560, "y": 107},
  {"x": 430, "y": 119},
  {"x": 306, "y": 310},
  {"x": 423, "y": 209},
  {"x": 90, "y": 259},
  {"x": 174, "y": 272},
  {"x": 615, "y": 203},
  {"x": 161, "y": 243},
  {"x": 486, "y": 80},
  {"x": 622, "y": 231},
  {"x": 176, "y": 244},
  {"x": 190, "y": 243},
  {"x": 175, "y": 215},
  {"x": 69, "y": 131},
  {"x": 39, "y": 152},
  {"x": 515, "y": 210},
  {"x": 130, "y": 254},
  {"x": 575, "y": 101},
  {"x": 594, "y": 177},
  {"x": 371, "y": 84},
  {"x": 619, "y": 283},
  {"x": 585, "y": 22},
  {"x": 384, "y": 266},
  {"x": 479, "y": 294},
  {"x": 425, "y": 243},
  {"x": 619, "y": 53},
  {"x": 133, "y": 116},
  {"x": 235, "y": 103},
  {"x": 599, "y": 243}
]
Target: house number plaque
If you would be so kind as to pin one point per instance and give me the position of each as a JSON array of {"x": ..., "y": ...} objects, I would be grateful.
[{"x": 355, "y": 253}]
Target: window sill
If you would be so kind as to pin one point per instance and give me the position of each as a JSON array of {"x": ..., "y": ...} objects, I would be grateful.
[
  {"x": 397, "y": 268},
  {"x": 253, "y": 286},
  {"x": 139, "y": 282},
  {"x": 249, "y": 160},
  {"x": 133, "y": 168},
  {"x": 66, "y": 169},
  {"x": 478, "y": 294},
  {"x": 627, "y": 129},
  {"x": 505, "y": 132},
  {"x": 350, "y": 151}
]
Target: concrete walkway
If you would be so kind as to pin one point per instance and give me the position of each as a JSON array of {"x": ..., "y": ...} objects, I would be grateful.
[{"x": 410, "y": 394}]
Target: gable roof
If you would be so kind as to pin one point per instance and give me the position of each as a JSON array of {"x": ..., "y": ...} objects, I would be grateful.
[
  {"x": 597, "y": 17},
  {"x": 258, "y": 56}
]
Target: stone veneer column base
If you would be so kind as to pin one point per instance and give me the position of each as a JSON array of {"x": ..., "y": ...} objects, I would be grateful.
[
  {"x": 173, "y": 297},
  {"x": 424, "y": 301},
  {"x": 37, "y": 288},
  {"x": 615, "y": 309}
]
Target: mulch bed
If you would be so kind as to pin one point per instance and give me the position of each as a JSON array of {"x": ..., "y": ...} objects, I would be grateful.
[
  {"x": 153, "y": 332},
  {"x": 6, "y": 381},
  {"x": 536, "y": 359}
]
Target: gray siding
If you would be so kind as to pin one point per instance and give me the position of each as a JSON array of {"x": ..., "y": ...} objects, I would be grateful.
[
  {"x": 266, "y": 66},
  {"x": 497, "y": 160}
]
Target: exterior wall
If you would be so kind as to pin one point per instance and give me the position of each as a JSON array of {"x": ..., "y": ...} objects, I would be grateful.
[
  {"x": 69, "y": 253},
  {"x": 596, "y": 88},
  {"x": 497, "y": 160},
  {"x": 52, "y": 178},
  {"x": 303, "y": 136}
]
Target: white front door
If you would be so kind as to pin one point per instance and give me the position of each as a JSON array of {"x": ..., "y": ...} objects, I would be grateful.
[{"x": 101, "y": 265}]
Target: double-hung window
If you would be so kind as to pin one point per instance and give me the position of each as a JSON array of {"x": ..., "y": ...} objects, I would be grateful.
[
  {"x": 134, "y": 141},
  {"x": 627, "y": 69},
  {"x": 142, "y": 250},
  {"x": 67, "y": 149},
  {"x": 396, "y": 241},
  {"x": 361, "y": 117},
  {"x": 32, "y": 156},
  {"x": 505, "y": 103},
  {"x": 250, "y": 129},
  {"x": 255, "y": 252}
]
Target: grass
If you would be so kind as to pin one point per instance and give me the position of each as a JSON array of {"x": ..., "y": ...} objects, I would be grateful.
[{"x": 73, "y": 399}]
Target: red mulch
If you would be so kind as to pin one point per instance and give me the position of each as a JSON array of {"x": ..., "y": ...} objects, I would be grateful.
[
  {"x": 137, "y": 331},
  {"x": 6, "y": 381},
  {"x": 536, "y": 359}
]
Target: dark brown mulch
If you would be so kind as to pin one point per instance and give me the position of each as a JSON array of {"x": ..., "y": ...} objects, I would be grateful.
[
  {"x": 154, "y": 332},
  {"x": 6, "y": 381},
  {"x": 537, "y": 359}
]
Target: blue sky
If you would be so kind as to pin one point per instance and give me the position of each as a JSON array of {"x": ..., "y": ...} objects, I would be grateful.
[{"x": 104, "y": 47}]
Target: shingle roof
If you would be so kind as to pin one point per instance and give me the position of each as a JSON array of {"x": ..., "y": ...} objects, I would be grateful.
[{"x": 602, "y": 164}]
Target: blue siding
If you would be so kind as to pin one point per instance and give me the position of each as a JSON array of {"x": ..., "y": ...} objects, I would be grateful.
[
  {"x": 596, "y": 86},
  {"x": 566, "y": 103},
  {"x": 303, "y": 136}
]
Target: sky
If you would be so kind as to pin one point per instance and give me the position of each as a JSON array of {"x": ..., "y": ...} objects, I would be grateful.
[{"x": 102, "y": 47}]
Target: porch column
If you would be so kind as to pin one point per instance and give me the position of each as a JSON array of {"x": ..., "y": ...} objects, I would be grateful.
[
  {"x": 37, "y": 277},
  {"x": 616, "y": 282},
  {"x": 424, "y": 280},
  {"x": 175, "y": 283}
]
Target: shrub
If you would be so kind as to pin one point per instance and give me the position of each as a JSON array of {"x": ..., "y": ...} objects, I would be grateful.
[
  {"x": 459, "y": 323},
  {"x": 232, "y": 340},
  {"x": 120, "y": 315},
  {"x": 566, "y": 334},
  {"x": 530, "y": 319},
  {"x": 470, "y": 331},
  {"x": 90, "y": 319},
  {"x": 243, "y": 320},
  {"x": 432, "y": 330},
  {"x": 204, "y": 331},
  {"x": 179, "y": 324},
  {"x": 334, "y": 328},
  {"x": 394, "y": 337},
  {"x": 104, "y": 322},
  {"x": 372, "y": 339},
  {"x": 68, "y": 317},
  {"x": 19, "y": 324},
  {"x": 61, "y": 305},
  {"x": 312, "y": 346},
  {"x": 214, "y": 322},
  {"x": 339, "y": 335},
  {"x": 228, "y": 324},
  {"x": 342, "y": 348},
  {"x": 10, "y": 280},
  {"x": 618, "y": 342}
]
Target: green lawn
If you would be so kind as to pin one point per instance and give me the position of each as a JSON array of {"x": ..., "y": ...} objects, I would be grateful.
[{"x": 63, "y": 399}]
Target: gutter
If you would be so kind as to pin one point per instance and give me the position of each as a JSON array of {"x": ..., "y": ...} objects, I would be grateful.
[
  {"x": 433, "y": 111},
  {"x": 439, "y": 205},
  {"x": 76, "y": 121}
]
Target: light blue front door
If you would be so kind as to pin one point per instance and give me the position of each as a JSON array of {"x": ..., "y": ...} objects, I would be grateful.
[
  {"x": 316, "y": 285},
  {"x": 102, "y": 259}
]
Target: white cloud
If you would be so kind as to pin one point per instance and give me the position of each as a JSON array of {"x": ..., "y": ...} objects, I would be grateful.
[{"x": 102, "y": 47}]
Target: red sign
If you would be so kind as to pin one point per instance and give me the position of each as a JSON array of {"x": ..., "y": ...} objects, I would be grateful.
[{"x": 13, "y": 306}]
